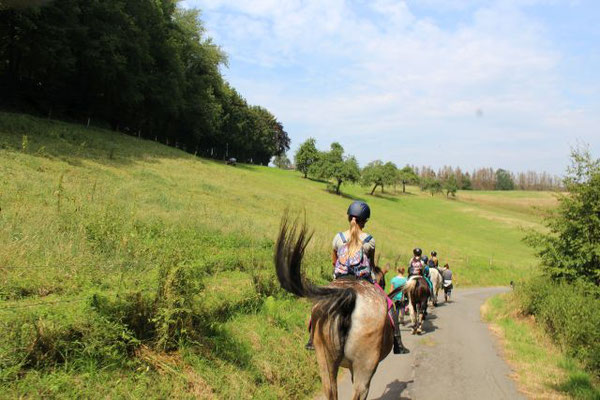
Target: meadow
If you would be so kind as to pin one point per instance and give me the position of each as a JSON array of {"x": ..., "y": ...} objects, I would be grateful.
[{"x": 133, "y": 269}]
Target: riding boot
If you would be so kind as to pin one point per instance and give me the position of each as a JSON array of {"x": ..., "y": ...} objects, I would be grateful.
[{"x": 398, "y": 346}]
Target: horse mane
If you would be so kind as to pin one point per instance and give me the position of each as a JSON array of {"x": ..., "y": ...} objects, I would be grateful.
[{"x": 334, "y": 304}]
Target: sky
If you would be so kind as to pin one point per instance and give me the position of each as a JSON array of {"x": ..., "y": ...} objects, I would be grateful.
[{"x": 511, "y": 84}]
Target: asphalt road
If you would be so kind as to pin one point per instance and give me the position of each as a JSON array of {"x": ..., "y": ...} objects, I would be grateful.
[{"x": 456, "y": 358}]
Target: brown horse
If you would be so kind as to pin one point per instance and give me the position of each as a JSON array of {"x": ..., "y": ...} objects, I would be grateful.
[
  {"x": 349, "y": 319},
  {"x": 418, "y": 294}
]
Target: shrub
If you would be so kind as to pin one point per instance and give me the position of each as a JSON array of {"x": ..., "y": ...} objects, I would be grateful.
[{"x": 570, "y": 312}]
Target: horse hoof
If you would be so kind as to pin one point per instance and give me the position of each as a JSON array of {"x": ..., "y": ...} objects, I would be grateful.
[{"x": 419, "y": 331}]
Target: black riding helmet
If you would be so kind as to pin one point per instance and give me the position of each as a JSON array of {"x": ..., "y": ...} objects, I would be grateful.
[
  {"x": 417, "y": 252},
  {"x": 360, "y": 210}
]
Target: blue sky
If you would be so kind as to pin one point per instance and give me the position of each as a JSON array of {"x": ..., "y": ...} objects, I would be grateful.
[{"x": 508, "y": 84}]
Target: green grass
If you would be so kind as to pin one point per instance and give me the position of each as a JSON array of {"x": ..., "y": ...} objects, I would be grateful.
[
  {"x": 543, "y": 369},
  {"x": 110, "y": 244}
]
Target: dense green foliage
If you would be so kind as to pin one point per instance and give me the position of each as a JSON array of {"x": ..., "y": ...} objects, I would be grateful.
[
  {"x": 334, "y": 166},
  {"x": 306, "y": 155},
  {"x": 145, "y": 68},
  {"x": 571, "y": 247},
  {"x": 450, "y": 186},
  {"x": 407, "y": 176},
  {"x": 504, "y": 180},
  {"x": 377, "y": 173},
  {"x": 569, "y": 312}
]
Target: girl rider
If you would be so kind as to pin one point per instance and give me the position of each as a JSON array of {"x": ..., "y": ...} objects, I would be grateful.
[
  {"x": 418, "y": 266},
  {"x": 354, "y": 250}
]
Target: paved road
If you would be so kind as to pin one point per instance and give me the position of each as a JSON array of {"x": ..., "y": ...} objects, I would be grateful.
[{"x": 456, "y": 358}]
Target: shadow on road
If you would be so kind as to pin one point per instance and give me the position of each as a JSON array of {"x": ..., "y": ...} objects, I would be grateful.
[{"x": 394, "y": 391}]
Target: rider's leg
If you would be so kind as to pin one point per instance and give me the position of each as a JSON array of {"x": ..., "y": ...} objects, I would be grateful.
[{"x": 398, "y": 345}]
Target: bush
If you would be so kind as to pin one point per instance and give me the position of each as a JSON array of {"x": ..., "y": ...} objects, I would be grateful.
[{"x": 570, "y": 312}]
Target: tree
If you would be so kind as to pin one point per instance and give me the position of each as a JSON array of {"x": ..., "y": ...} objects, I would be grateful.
[
  {"x": 504, "y": 180},
  {"x": 465, "y": 182},
  {"x": 450, "y": 186},
  {"x": 431, "y": 185},
  {"x": 306, "y": 156},
  {"x": 377, "y": 173},
  {"x": 282, "y": 161},
  {"x": 333, "y": 165},
  {"x": 571, "y": 247},
  {"x": 407, "y": 176}
]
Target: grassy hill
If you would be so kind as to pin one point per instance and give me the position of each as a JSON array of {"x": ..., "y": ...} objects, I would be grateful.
[{"x": 132, "y": 269}]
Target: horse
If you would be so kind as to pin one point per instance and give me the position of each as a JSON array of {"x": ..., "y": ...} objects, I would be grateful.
[
  {"x": 418, "y": 295},
  {"x": 437, "y": 282},
  {"x": 350, "y": 325}
]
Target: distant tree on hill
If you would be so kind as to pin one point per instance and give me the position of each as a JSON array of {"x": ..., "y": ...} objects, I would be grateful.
[
  {"x": 377, "y": 173},
  {"x": 282, "y": 161},
  {"x": 306, "y": 155},
  {"x": 336, "y": 167},
  {"x": 431, "y": 185},
  {"x": 407, "y": 176},
  {"x": 450, "y": 186},
  {"x": 504, "y": 180},
  {"x": 465, "y": 183},
  {"x": 571, "y": 247}
]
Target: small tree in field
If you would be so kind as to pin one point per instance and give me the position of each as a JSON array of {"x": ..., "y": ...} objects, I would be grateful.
[
  {"x": 450, "y": 186},
  {"x": 333, "y": 165},
  {"x": 407, "y": 176},
  {"x": 571, "y": 248},
  {"x": 431, "y": 185},
  {"x": 377, "y": 173},
  {"x": 306, "y": 156}
]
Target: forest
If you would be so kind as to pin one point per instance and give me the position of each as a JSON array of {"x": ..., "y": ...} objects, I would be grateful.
[{"x": 145, "y": 68}]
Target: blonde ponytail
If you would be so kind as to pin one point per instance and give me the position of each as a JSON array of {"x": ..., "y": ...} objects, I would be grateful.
[{"x": 354, "y": 243}]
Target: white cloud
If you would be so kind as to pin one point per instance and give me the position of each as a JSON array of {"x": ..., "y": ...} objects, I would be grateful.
[{"x": 386, "y": 82}]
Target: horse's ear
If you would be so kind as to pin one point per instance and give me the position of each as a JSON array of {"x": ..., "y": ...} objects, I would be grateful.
[{"x": 386, "y": 268}]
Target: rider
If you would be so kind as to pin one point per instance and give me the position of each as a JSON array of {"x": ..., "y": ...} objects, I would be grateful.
[
  {"x": 354, "y": 250},
  {"x": 447, "y": 277},
  {"x": 433, "y": 261},
  {"x": 399, "y": 281},
  {"x": 418, "y": 266}
]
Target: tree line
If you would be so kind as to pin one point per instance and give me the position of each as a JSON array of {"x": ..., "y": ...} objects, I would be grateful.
[
  {"x": 336, "y": 167},
  {"x": 141, "y": 67},
  {"x": 493, "y": 179}
]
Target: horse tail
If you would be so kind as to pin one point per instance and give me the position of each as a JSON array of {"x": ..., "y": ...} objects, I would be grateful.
[
  {"x": 334, "y": 303},
  {"x": 410, "y": 286}
]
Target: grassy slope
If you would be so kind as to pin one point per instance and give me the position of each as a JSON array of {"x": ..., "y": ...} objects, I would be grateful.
[
  {"x": 543, "y": 370},
  {"x": 86, "y": 211}
]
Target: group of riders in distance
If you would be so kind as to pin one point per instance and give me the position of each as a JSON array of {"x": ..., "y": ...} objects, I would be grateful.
[
  {"x": 354, "y": 323},
  {"x": 353, "y": 256}
]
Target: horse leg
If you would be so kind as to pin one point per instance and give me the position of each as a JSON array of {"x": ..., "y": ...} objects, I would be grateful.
[
  {"x": 416, "y": 312},
  {"x": 328, "y": 365},
  {"x": 363, "y": 373}
]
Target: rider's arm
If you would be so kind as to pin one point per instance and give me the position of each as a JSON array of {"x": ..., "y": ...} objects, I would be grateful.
[{"x": 333, "y": 257}]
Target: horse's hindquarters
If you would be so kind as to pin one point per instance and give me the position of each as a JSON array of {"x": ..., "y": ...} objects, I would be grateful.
[{"x": 370, "y": 325}]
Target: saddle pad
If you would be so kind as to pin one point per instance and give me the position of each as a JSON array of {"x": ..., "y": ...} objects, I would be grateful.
[{"x": 390, "y": 304}]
